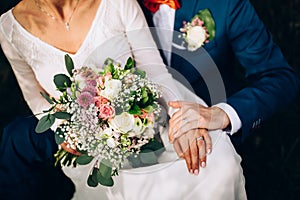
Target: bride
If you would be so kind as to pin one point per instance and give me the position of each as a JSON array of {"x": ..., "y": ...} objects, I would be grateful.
[{"x": 35, "y": 36}]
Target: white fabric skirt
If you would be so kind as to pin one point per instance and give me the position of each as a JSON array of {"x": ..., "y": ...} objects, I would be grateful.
[{"x": 221, "y": 179}]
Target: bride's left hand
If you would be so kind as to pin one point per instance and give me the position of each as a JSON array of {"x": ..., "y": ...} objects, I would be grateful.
[
  {"x": 193, "y": 147},
  {"x": 70, "y": 150}
]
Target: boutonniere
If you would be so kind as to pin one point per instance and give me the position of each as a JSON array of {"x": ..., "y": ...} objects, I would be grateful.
[{"x": 197, "y": 32}]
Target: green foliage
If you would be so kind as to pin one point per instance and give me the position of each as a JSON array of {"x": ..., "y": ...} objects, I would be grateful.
[
  {"x": 62, "y": 82},
  {"x": 59, "y": 136},
  {"x": 45, "y": 123},
  {"x": 209, "y": 22},
  {"x": 69, "y": 64},
  {"x": 129, "y": 64},
  {"x": 104, "y": 175},
  {"x": 135, "y": 110},
  {"x": 148, "y": 157},
  {"x": 148, "y": 154},
  {"x": 62, "y": 115},
  {"x": 84, "y": 159},
  {"x": 139, "y": 72},
  {"x": 92, "y": 179},
  {"x": 47, "y": 97}
]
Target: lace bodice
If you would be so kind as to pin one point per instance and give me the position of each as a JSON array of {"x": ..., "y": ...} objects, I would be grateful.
[{"x": 118, "y": 31}]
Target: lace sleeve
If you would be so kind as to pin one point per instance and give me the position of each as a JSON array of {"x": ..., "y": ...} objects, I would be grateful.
[{"x": 26, "y": 79}]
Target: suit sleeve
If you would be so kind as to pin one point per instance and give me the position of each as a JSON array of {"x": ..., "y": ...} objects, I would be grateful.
[{"x": 271, "y": 82}]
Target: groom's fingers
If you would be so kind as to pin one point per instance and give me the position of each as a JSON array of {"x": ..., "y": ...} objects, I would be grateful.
[
  {"x": 207, "y": 139},
  {"x": 174, "y": 104}
]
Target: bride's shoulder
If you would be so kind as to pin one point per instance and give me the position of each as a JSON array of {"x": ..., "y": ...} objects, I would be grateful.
[
  {"x": 122, "y": 4},
  {"x": 24, "y": 12}
]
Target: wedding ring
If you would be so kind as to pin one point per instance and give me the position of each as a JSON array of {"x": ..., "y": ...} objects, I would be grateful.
[{"x": 199, "y": 138}]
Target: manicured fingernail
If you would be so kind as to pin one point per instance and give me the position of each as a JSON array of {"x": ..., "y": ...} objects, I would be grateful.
[
  {"x": 191, "y": 171},
  {"x": 208, "y": 151},
  {"x": 203, "y": 164},
  {"x": 196, "y": 172}
]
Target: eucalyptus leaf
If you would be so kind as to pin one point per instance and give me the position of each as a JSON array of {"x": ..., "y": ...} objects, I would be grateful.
[
  {"x": 69, "y": 64},
  {"x": 141, "y": 73},
  {"x": 135, "y": 160},
  {"x": 209, "y": 22},
  {"x": 92, "y": 179},
  {"x": 154, "y": 145},
  {"x": 84, "y": 159},
  {"x": 59, "y": 136},
  {"x": 62, "y": 115},
  {"x": 45, "y": 123},
  {"x": 62, "y": 82},
  {"x": 148, "y": 157},
  {"x": 105, "y": 168},
  {"x": 105, "y": 181},
  {"x": 47, "y": 97}
]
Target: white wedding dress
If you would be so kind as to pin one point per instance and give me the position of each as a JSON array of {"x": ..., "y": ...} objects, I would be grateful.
[{"x": 118, "y": 31}]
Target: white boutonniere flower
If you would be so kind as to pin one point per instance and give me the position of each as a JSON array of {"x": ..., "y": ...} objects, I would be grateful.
[{"x": 197, "y": 32}]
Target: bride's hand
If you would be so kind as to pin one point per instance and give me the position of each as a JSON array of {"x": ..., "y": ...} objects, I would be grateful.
[
  {"x": 193, "y": 147},
  {"x": 192, "y": 116},
  {"x": 68, "y": 149}
]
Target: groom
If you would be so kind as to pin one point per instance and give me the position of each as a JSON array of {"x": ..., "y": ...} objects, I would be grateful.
[{"x": 234, "y": 31}]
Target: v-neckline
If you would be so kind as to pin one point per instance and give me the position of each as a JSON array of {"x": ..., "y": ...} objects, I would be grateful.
[{"x": 32, "y": 36}]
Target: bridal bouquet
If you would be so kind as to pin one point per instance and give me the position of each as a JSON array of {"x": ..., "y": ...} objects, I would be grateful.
[{"x": 107, "y": 115}]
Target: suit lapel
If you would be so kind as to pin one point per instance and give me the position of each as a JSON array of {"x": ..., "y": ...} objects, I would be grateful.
[{"x": 185, "y": 13}]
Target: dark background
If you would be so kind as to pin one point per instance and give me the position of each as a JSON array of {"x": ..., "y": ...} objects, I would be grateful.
[{"x": 271, "y": 160}]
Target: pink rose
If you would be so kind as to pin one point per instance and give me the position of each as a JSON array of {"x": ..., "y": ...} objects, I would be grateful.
[
  {"x": 106, "y": 112},
  {"x": 100, "y": 100},
  {"x": 149, "y": 116}
]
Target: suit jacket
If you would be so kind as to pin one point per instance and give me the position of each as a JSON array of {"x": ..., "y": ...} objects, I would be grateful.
[{"x": 268, "y": 82}]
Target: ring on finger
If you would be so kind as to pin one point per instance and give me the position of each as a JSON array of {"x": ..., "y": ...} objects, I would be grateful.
[{"x": 199, "y": 138}]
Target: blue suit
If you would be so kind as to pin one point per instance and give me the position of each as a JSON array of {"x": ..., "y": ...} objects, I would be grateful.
[{"x": 268, "y": 82}]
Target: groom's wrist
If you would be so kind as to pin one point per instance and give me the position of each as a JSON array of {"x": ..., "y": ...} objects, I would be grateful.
[{"x": 235, "y": 122}]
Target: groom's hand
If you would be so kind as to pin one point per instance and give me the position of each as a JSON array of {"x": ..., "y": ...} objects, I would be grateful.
[
  {"x": 193, "y": 116},
  {"x": 193, "y": 147}
]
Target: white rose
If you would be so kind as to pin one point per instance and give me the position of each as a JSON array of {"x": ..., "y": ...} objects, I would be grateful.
[
  {"x": 112, "y": 88},
  {"x": 111, "y": 142},
  {"x": 195, "y": 37},
  {"x": 123, "y": 122}
]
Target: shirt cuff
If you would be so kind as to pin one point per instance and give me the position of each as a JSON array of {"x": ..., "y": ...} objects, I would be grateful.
[{"x": 235, "y": 121}]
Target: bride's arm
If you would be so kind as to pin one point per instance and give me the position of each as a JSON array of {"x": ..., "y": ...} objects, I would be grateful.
[{"x": 26, "y": 79}]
